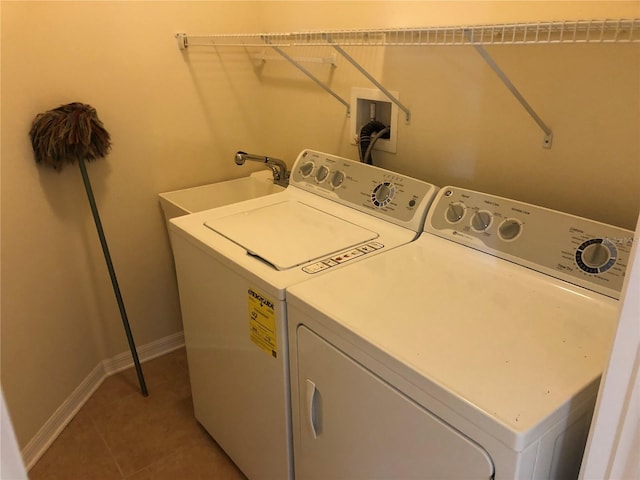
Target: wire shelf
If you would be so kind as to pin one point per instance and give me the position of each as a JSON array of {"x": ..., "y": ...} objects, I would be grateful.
[
  {"x": 476, "y": 36},
  {"x": 577, "y": 32}
]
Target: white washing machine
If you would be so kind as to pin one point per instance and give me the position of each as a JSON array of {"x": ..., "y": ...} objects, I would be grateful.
[
  {"x": 473, "y": 352},
  {"x": 234, "y": 264}
]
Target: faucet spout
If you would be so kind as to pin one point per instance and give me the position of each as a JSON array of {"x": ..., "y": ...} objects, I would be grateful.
[{"x": 277, "y": 166}]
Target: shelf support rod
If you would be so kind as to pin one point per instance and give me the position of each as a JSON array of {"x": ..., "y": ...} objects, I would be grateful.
[
  {"x": 548, "y": 134},
  {"x": 322, "y": 85},
  {"x": 358, "y": 67}
]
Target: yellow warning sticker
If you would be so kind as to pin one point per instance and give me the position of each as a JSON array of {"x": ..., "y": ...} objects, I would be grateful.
[{"x": 262, "y": 322}]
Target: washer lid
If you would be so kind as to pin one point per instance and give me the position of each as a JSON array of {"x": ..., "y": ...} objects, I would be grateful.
[{"x": 289, "y": 233}]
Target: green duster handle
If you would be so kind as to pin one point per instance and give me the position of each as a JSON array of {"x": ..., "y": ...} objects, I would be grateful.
[{"x": 112, "y": 274}]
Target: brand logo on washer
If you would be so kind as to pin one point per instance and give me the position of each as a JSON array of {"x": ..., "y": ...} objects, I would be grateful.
[{"x": 263, "y": 301}]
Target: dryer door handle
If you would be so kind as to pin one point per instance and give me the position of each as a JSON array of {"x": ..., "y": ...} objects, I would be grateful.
[{"x": 312, "y": 408}]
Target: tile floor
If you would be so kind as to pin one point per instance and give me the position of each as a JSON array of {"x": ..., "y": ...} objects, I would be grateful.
[{"x": 119, "y": 434}]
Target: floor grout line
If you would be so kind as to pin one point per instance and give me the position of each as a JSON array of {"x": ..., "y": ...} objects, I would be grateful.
[{"x": 106, "y": 444}]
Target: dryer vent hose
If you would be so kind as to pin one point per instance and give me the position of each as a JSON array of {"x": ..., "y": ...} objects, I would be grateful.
[{"x": 369, "y": 135}]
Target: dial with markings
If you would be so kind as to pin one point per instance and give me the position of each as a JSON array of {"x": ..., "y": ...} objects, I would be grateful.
[
  {"x": 596, "y": 255},
  {"x": 383, "y": 194},
  {"x": 510, "y": 229},
  {"x": 481, "y": 221},
  {"x": 455, "y": 212}
]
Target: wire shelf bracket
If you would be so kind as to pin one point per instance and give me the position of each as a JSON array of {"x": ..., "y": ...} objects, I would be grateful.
[
  {"x": 183, "y": 40},
  {"x": 359, "y": 67},
  {"x": 310, "y": 75},
  {"x": 548, "y": 134}
]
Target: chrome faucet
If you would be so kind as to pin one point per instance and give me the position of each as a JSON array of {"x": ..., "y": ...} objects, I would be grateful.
[{"x": 277, "y": 166}]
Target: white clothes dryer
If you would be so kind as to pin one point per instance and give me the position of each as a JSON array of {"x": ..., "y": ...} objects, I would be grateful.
[
  {"x": 234, "y": 265},
  {"x": 473, "y": 352}
]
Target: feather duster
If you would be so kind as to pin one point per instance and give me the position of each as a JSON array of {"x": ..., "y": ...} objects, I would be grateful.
[
  {"x": 71, "y": 133},
  {"x": 67, "y": 133}
]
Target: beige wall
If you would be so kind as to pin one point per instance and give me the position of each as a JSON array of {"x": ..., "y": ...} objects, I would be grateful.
[
  {"x": 176, "y": 119},
  {"x": 59, "y": 315}
]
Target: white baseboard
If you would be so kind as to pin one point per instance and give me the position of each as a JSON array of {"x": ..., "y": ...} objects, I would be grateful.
[
  {"x": 54, "y": 426},
  {"x": 61, "y": 417},
  {"x": 124, "y": 360}
]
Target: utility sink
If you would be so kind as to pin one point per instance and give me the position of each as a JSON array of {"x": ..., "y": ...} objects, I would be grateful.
[{"x": 197, "y": 199}]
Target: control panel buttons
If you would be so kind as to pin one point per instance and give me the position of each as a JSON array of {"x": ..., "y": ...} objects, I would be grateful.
[
  {"x": 383, "y": 194},
  {"x": 322, "y": 173},
  {"x": 306, "y": 169},
  {"x": 401, "y": 200},
  {"x": 583, "y": 252},
  {"x": 343, "y": 257},
  {"x": 455, "y": 212},
  {"x": 596, "y": 255},
  {"x": 337, "y": 179},
  {"x": 509, "y": 229},
  {"x": 481, "y": 220}
]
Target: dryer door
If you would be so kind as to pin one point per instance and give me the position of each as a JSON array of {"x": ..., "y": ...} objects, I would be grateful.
[{"x": 355, "y": 426}]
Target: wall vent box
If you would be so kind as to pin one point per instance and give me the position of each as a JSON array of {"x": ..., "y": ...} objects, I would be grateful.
[{"x": 386, "y": 112}]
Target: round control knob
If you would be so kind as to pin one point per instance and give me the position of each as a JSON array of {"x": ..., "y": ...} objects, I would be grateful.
[
  {"x": 306, "y": 169},
  {"x": 455, "y": 212},
  {"x": 596, "y": 255},
  {"x": 481, "y": 220},
  {"x": 322, "y": 173},
  {"x": 509, "y": 229},
  {"x": 337, "y": 179},
  {"x": 382, "y": 194}
]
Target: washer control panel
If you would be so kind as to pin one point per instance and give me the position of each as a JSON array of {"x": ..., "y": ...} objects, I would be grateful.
[
  {"x": 342, "y": 257},
  {"x": 392, "y": 196},
  {"x": 581, "y": 251}
]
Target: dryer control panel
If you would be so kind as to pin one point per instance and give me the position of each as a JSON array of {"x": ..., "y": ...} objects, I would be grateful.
[
  {"x": 392, "y": 196},
  {"x": 591, "y": 254}
]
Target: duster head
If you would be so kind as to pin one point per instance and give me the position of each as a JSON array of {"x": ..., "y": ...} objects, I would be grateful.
[{"x": 67, "y": 133}]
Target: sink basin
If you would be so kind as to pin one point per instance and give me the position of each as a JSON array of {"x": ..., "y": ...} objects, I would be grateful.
[{"x": 197, "y": 199}]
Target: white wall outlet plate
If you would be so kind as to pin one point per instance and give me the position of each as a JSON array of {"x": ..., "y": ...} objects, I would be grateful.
[{"x": 362, "y": 101}]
